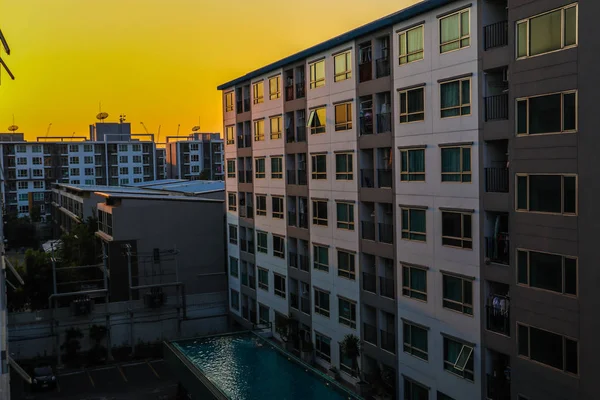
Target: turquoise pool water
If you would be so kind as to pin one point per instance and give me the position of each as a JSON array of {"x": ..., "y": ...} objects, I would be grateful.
[{"x": 243, "y": 370}]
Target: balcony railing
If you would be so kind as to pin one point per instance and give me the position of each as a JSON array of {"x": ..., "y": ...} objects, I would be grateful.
[
  {"x": 248, "y": 176},
  {"x": 382, "y": 66},
  {"x": 246, "y": 104},
  {"x": 369, "y": 282},
  {"x": 367, "y": 230},
  {"x": 498, "y": 318},
  {"x": 300, "y": 91},
  {"x": 386, "y": 233},
  {"x": 301, "y": 133},
  {"x": 367, "y": 178},
  {"x": 305, "y": 305},
  {"x": 370, "y": 333},
  {"x": 495, "y": 35},
  {"x": 244, "y": 278},
  {"x": 289, "y": 134},
  {"x": 388, "y": 341},
  {"x": 496, "y": 180},
  {"x": 365, "y": 71},
  {"x": 303, "y": 263},
  {"x": 366, "y": 125},
  {"x": 498, "y": 388},
  {"x": 239, "y": 107},
  {"x": 384, "y": 178},
  {"x": 302, "y": 177},
  {"x": 294, "y": 300},
  {"x": 291, "y": 177},
  {"x": 292, "y": 220},
  {"x": 497, "y": 248},
  {"x": 386, "y": 287},
  {"x": 292, "y": 259},
  {"x": 303, "y": 220},
  {"x": 251, "y": 282},
  {"x": 496, "y": 107},
  {"x": 384, "y": 122},
  {"x": 289, "y": 92}
]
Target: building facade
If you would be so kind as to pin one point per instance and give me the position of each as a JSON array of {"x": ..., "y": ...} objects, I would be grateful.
[{"x": 197, "y": 156}]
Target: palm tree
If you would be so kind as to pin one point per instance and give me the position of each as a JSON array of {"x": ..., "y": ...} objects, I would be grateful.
[{"x": 350, "y": 347}]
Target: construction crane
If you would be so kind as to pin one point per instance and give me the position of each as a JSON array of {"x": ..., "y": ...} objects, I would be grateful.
[
  {"x": 48, "y": 130},
  {"x": 146, "y": 129}
]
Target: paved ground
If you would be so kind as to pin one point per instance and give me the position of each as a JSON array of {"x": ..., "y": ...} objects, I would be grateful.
[{"x": 144, "y": 380}]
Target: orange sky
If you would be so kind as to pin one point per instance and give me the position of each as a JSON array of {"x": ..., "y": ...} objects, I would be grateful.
[{"x": 157, "y": 61}]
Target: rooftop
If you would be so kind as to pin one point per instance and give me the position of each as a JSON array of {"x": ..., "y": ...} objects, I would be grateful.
[
  {"x": 112, "y": 189},
  {"x": 395, "y": 18},
  {"x": 154, "y": 196},
  {"x": 183, "y": 186}
]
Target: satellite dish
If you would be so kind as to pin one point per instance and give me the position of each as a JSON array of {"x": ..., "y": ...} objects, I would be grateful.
[
  {"x": 196, "y": 128},
  {"x": 13, "y": 128},
  {"x": 101, "y": 116}
]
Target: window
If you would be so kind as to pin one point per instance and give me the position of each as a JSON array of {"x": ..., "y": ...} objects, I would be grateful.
[
  {"x": 233, "y": 234},
  {"x": 259, "y": 130},
  {"x": 415, "y": 340},
  {"x": 124, "y": 181},
  {"x": 321, "y": 258},
  {"x": 342, "y": 64},
  {"x": 343, "y": 116},
  {"x": 74, "y": 171},
  {"x": 554, "y": 30},
  {"x": 319, "y": 212},
  {"x": 73, "y": 148},
  {"x": 235, "y": 299},
  {"x": 136, "y": 147},
  {"x": 123, "y": 159},
  {"x": 233, "y": 267},
  {"x": 275, "y": 87},
  {"x": 22, "y": 173},
  {"x": 322, "y": 347},
  {"x": 346, "y": 266},
  {"x": 317, "y": 120},
  {"x": 317, "y": 74},
  {"x": 455, "y": 98},
  {"x": 458, "y": 359},
  {"x": 23, "y": 209},
  {"x": 550, "y": 113},
  {"x": 261, "y": 205},
  {"x": 124, "y": 171},
  {"x": 36, "y": 148},
  {"x": 259, "y": 169},
  {"x": 412, "y": 105},
  {"x": 263, "y": 279},
  {"x": 411, "y": 45},
  {"x": 457, "y": 294},
  {"x": 232, "y": 201},
  {"x": 345, "y": 216},
  {"x": 343, "y": 167},
  {"x": 123, "y": 147},
  {"x": 547, "y": 271},
  {"x": 21, "y": 160},
  {"x": 276, "y": 167},
  {"x": 263, "y": 314},
  {"x": 261, "y": 242},
  {"x": 277, "y": 203},
  {"x": 37, "y": 160},
  {"x": 38, "y": 173},
  {"x": 229, "y": 102},
  {"x": 137, "y": 159},
  {"x": 74, "y": 160},
  {"x": 414, "y": 390},
  {"x": 279, "y": 283},
  {"x": 23, "y": 196},
  {"x": 347, "y": 312},
  {"x": 229, "y": 134},
  {"x": 275, "y": 127},
  {"x": 457, "y": 230},
  {"x": 93, "y": 181},
  {"x": 258, "y": 89},
  {"x": 22, "y": 149},
  {"x": 23, "y": 185},
  {"x": 346, "y": 363},
  {"x": 454, "y": 31},
  {"x": 456, "y": 164},
  {"x": 231, "y": 168},
  {"x": 414, "y": 282},
  {"x": 556, "y": 194},
  {"x": 322, "y": 302},
  {"x": 413, "y": 224},
  {"x": 548, "y": 348},
  {"x": 91, "y": 171},
  {"x": 319, "y": 166},
  {"x": 194, "y": 157},
  {"x": 412, "y": 165},
  {"x": 442, "y": 396},
  {"x": 278, "y": 246},
  {"x": 88, "y": 160}
]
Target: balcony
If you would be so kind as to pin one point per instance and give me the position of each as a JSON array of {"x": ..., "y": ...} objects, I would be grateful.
[
  {"x": 292, "y": 218},
  {"x": 300, "y": 91},
  {"x": 369, "y": 282},
  {"x": 365, "y": 71},
  {"x": 292, "y": 259},
  {"x": 367, "y": 178},
  {"x": 303, "y": 221},
  {"x": 496, "y": 107},
  {"x": 497, "y": 249},
  {"x": 386, "y": 233},
  {"x": 305, "y": 305},
  {"x": 302, "y": 177},
  {"x": 367, "y": 230},
  {"x": 247, "y": 104},
  {"x": 239, "y": 108},
  {"x": 289, "y": 134},
  {"x": 498, "y": 316},
  {"x": 498, "y": 388},
  {"x": 382, "y": 67},
  {"x": 384, "y": 122},
  {"x": 294, "y": 300},
  {"x": 289, "y": 92},
  {"x": 300, "y": 133},
  {"x": 291, "y": 177},
  {"x": 248, "y": 176},
  {"x": 303, "y": 263},
  {"x": 496, "y": 180},
  {"x": 388, "y": 341},
  {"x": 495, "y": 35},
  {"x": 370, "y": 333},
  {"x": 366, "y": 125},
  {"x": 384, "y": 178},
  {"x": 386, "y": 287}
]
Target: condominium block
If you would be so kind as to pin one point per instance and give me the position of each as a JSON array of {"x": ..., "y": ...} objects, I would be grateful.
[{"x": 197, "y": 156}]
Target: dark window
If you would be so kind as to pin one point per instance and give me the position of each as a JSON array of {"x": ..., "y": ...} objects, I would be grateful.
[
  {"x": 548, "y": 348},
  {"x": 233, "y": 234},
  {"x": 458, "y": 359},
  {"x": 415, "y": 341},
  {"x": 279, "y": 284},
  {"x": 457, "y": 230},
  {"x": 278, "y": 246},
  {"x": 547, "y": 271},
  {"x": 552, "y": 113},
  {"x": 319, "y": 212},
  {"x": 261, "y": 205},
  {"x": 412, "y": 105},
  {"x": 414, "y": 282},
  {"x": 323, "y": 347},
  {"x": 414, "y": 390},
  {"x": 555, "y": 194},
  {"x": 457, "y": 294}
]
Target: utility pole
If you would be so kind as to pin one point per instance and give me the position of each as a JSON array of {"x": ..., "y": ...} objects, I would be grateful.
[
  {"x": 131, "y": 332},
  {"x": 106, "y": 302},
  {"x": 54, "y": 320}
]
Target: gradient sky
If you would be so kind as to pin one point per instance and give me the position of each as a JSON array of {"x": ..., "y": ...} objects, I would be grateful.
[{"x": 157, "y": 61}]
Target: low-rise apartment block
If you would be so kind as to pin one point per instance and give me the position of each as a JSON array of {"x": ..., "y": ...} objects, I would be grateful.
[{"x": 197, "y": 156}]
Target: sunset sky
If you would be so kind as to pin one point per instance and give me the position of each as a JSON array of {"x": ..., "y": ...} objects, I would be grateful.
[{"x": 157, "y": 61}]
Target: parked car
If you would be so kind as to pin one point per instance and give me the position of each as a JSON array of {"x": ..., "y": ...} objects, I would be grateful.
[{"x": 43, "y": 378}]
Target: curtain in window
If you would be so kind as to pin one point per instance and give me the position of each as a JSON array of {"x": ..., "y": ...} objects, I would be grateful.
[
  {"x": 415, "y": 43},
  {"x": 450, "y": 94},
  {"x": 416, "y": 104},
  {"x": 342, "y": 212},
  {"x": 545, "y": 33},
  {"x": 452, "y": 350},
  {"x": 452, "y": 288},
  {"x": 417, "y": 163},
  {"x": 450, "y": 30},
  {"x": 451, "y": 163},
  {"x": 341, "y": 164},
  {"x": 417, "y": 220},
  {"x": 419, "y": 338},
  {"x": 418, "y": 279}
]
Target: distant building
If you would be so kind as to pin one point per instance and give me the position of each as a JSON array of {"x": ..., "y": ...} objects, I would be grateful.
[
  {"x": 110, "y": 131},
  {"x": 197, "y": 156},
  {"x": 161, "y": 163}
]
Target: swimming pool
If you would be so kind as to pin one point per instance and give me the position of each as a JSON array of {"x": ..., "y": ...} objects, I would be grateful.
[{"x": 242, "y": 369}]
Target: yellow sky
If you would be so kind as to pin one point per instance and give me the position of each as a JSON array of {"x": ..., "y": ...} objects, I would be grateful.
[{"x": 157, "y": 61}]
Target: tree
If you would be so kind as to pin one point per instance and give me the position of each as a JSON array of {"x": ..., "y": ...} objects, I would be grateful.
[
  {"x": 38, "y": 278},
  {"x": 98, "y": 352},
  {"x": 350, "y": 346},
  {"x": 204, "y": 175},
  {"x": 20, "y": 232},
  {"x": 71, "y": 345},
  {"x": 80, "y": 246}
]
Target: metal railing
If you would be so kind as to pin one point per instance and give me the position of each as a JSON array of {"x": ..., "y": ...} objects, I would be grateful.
[
  {"x": 303, "y": 220},
  {"x": 294, "y": 300},
  {"x": 289, "y": 134},
  {"x": 365, "y": 71},
  {"x": 496, "y": 180},
  {"x": 497, "y": 249},
  {"x": 496, "y": 107},
  {"x": 369, "y": 282},
  {"x": 300, "y": 134},
  {"x": 300, "y": 89},
  {"x": 366, "y": 125},
  {"x": 386, "y": 287},
  {"x": 370, "y": 333},
  {"x": 386, "y": 233},
  {"x": 367, "y": 230},
  {"x": 384, "y": 122},
  {"x": 292, "y": 259},
  {"x": 302, "y": 177},
  {"x": 495, "y": 35},
  {"x": 384, "y": 178},
  {"x": 498, "y": 320},
  {"x": 367, "y": 178},
  {"x": 382, "y": 67},
  {"x": 289, "y": 92},
  {"x": 303, "y": 262},
  {"x": 497, "y": 388},
  {"x": 291, "y": 177},
  {"x": 292, "y": 220},
  {"x": 388, "y": 341}
]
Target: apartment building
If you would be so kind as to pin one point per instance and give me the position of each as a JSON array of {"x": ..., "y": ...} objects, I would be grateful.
[
  {"x": 161, "y": 163},
  {"x": 353, "y": 193},
  {"x": 197, "y": 156}
]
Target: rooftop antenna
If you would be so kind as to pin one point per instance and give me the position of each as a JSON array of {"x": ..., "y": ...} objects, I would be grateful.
[
  {"x": 196, "y": 128},
  {"x": 146, "y": 129},
  {"x": 48, "y": 130},
  {"x": 101, "y": 116},
  {"x": 72, "y": 135},
  {"x": 158, "y": 136},
  {"x": 13, "y": 127},
  {"x": 178, "y": 125},
  {"x": 122, "y": 118}
]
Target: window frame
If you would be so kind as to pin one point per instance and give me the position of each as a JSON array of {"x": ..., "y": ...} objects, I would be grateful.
[
  {"x": 231, "y": 171},
  {"x": 405, "y": 115},
  {"x": 562, "y": 113},
  {"x": 564, "y": 338},
  {"x": 562, "y": 194},
  {"x": 563, "y": 272},
  {"x": 230, "y": 134},
  {"x": 462, "y": 304},
  {"x": 262, "y": 285},
  {"x": 450, "y": 366},
  {"x": 408, "y": 347},
  {"x": 237, "y": 267},
  {"x": 350, "y": 272},
  {"x": 315, "y": 81},
  {"x": 232, "y": 205},
  {"x": 316, "y": 174},
  {"x": 277, "y": 133},
  {"x": 407, "y": 54},
  {"x": 407, "y": 289},
  {"x": 349, "y": 224},
  {"x": 408, "y": 232},
  {"x": 318, "y": 352},
  {"x": 408, "y": 387},
  {"x": 278, "y": 254},
  {"x": 460, "y": 105},
  {"x": 460, "y": 37},
  {"x": 343, "y": 320},
  {"x": 348, "y": 174},
  {"x": 462, "y": 173},
  {"x": 347, "y": 124},
  {"x": 282, "y": 291},
  {"x": 234, "y": 305},
  {"x": 258, "y": 173},
  {"x": 261, "y": 211},
  {"x": 276, "y": 173},
  {"x": 318, "y": 308},
  {"x": 279, "y": 201},
  {"x": 233, "y": 240},
  {"x": 228, "y": 101},
  {"x": 317, "y": 219},
  {"x": 317, "y": 262},
  {"x": 462, "y": 238},
  {"x": 257, "y": 97},
  {"x": 311, "y": 123},
  {"x": 405, "y": 174},
  {"x": 346, "y": 58},
  {"x": 275, "y": 94},
  {"x": 259, "y": 247},
  {"x": 259, "y": 130}
]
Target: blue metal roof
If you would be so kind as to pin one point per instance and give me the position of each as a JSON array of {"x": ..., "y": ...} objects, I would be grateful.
[
  {"x": 184, "y": 186},
  {"x": 397, "y": 17}
]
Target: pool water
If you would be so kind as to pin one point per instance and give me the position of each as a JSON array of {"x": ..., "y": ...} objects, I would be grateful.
[{"x": 243, "y": 370}]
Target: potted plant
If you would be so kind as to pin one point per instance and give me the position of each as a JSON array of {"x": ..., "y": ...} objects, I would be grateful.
[
  {"x": 351, "y": 347},
  {"x": 380, "y": 384}
]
